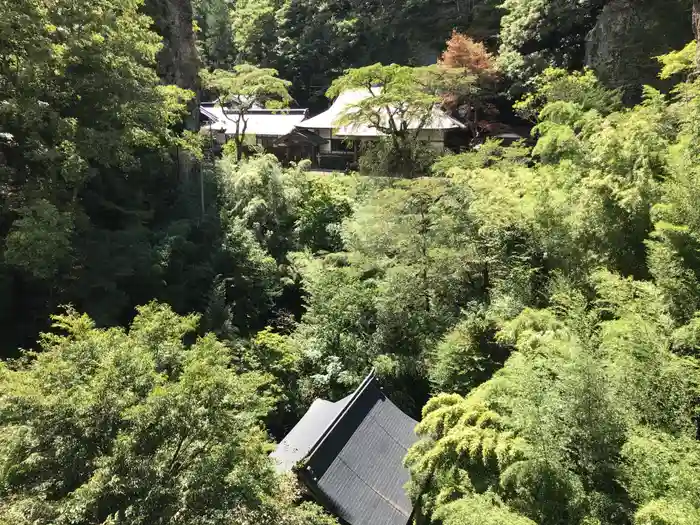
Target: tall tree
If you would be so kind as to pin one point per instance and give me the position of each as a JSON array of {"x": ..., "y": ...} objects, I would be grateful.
[
  {"x": 399, "y": 102},
  {"x": 215, "y": 33},
  {"x": 242, "y": 89},
  {"x": 473, "y": 60},
  {"x": 87, "y": 167},
  {"x": 135, "y": 426},
  {"x": 254, "y": 24}
]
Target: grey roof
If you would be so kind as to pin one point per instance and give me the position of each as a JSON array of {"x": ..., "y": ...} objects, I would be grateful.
[
  {"x": 355, "y": 467},
  {"x": 297, "y": 444}
]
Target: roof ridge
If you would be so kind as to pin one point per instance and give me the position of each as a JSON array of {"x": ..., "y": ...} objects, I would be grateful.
[
  {"x": 334, "y": 422},
  {"x": 276, "y": 110}
]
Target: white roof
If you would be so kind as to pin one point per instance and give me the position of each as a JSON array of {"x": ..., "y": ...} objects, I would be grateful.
[
  {"x": 261, "y": 122},
  {"x": 328, "y": 119}
]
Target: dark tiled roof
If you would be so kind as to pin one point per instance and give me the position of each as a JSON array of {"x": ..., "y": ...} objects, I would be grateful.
[
  {"x": 301, "y": 136},
  {"x": 356, "y": 466}
]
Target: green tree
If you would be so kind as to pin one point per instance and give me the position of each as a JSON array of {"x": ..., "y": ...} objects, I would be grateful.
[
  {"x": 254, "y": 24},
  {"x": 556, "y": 85},
  {"x": 677, "y": 62},
  {"x": 135, "y": 426},
  {"x": 549, "y": 432},
  {"x": 398, "y": 102},
  {"x": 335, "y": 333},
  {"x": 242, "y": 89},
  {"x": 536, "y": 34},
  {"x": 81, "y": 172},
  {"x": 321, "y": 208},
  {"x": 215, "y": 33},
  {"x": 467, "y": 356},
  {"x": 408, "y": 271},
  {"x": 256, "y": 192},
  {"x": 311, "y": 42},
  {"x": 40, "y": 240}
]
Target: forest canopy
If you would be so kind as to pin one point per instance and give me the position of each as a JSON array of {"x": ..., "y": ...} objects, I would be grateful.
[{"x": 169, "y": 312}]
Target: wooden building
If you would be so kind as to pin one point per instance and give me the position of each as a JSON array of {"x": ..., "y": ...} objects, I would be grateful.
[
  {"x": 349, "y": 455},
  {"x": 273, "y": 130},
  {"x": 344, "y": 142}
]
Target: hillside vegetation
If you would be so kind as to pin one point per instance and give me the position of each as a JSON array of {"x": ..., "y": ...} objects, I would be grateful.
[{"x": 167, "y": 314}]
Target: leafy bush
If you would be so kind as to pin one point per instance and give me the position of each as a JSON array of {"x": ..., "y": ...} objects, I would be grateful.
[{"x": 384, "y": 158}]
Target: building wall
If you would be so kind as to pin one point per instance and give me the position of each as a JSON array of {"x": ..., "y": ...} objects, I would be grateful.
[
  {"x": 326, "y": 134},
  {"x": 435, "y": 138}
]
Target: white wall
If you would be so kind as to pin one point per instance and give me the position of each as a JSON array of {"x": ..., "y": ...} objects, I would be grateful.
[
  {"x": 326, "y": 134},
  {"x": 435, "y": 137}
]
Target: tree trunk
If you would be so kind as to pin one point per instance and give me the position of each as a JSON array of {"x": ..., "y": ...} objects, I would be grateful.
[
  {"x": 696, "y": 32},
  {"x": 239, "y": 148}
]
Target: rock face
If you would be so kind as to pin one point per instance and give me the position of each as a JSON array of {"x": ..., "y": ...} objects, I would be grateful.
[
  {"x": 629, "y": 34},
  {"x": 178, "y": 61}
]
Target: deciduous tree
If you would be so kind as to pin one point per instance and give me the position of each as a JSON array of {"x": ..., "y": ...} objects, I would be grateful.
[
  {"x": 88, "y": 139},
  {"x": 548, "y": 433},
  {"x": 398, "y": 102},
  {"x": 136, "y": 426},
  {"x": 473, "y": 60},
  {"x": 242, "y": 89}
]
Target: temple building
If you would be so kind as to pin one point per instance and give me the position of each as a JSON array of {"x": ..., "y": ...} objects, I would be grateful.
[{"x": 349, "y": 455}]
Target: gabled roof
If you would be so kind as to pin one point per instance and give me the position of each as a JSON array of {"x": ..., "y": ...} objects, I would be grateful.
[
  {"x": 300, "y": 136},
  {"x": 306, "y": 433},
  {"x": 261, "y": 122},
  {"x": 439, "y": 120},
  {"x": 350, "y": 456}
]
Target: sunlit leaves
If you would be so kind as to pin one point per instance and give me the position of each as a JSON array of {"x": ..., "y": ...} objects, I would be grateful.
[
  {"x": 677, "y": 62},
  {"x": 572, "y": 404},
  {"x": 111, "y": 425},
  {"x": 40, "y": 240},
  {"x": 243, "y": 88},
  {"x": 405, "y": 100}
]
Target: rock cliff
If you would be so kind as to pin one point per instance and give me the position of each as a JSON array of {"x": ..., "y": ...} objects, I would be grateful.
[
  {"x": 629, "y": 34},
  {"x": 178, "y": 62}
]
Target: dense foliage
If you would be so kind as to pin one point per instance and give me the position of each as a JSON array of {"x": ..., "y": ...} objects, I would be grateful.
[
  {"x": 593, "y": 417},
  {"x": 550, "y": 297},
  {"x": 311, "y": 42},
  {"x": 81, "y": 173},
  {"x": 536, "y": 306},
  {"x": 115, "y": 426}
]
